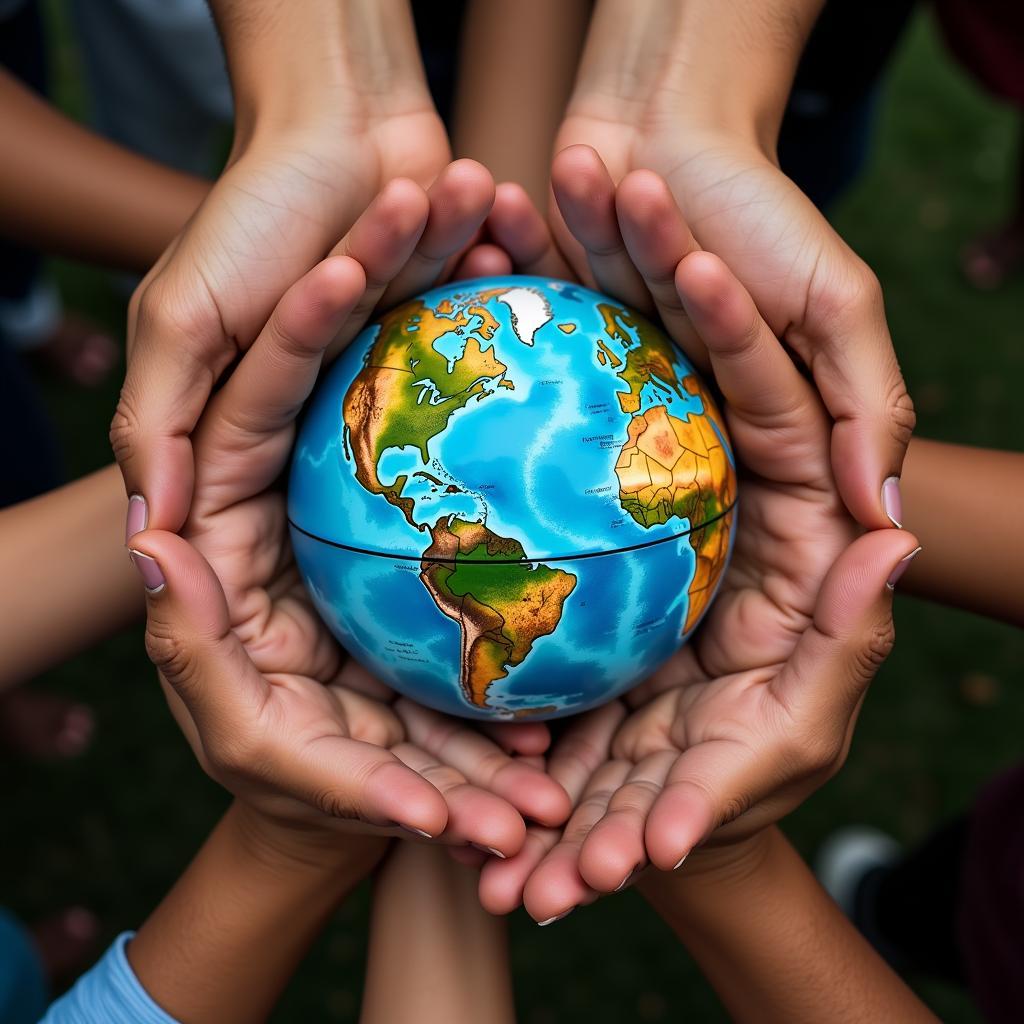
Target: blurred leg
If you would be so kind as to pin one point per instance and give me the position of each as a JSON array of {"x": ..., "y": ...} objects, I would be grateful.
[{"x": 436, "y": 957}]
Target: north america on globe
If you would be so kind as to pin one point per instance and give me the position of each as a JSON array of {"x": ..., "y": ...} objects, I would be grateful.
[{"x": 512, "y": 497}]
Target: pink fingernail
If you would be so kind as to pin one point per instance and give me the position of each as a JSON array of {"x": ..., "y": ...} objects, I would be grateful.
[
  {"x": 679, "y": 863},
  {"x": 557, "y": 917},
  {"x": 138, "y": 516},
  {"x": 892, "y": 501},
  {"x": 152, "y": 577},
  {"x": 901, "y": 567}
]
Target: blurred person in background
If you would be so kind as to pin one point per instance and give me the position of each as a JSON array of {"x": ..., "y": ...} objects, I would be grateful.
[
  {"x": 987, "y": 38},
  {"x": 32, "y": 318}
]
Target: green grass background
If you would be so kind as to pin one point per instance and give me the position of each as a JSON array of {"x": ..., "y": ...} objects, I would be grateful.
[{"x": 115, "y": 828}]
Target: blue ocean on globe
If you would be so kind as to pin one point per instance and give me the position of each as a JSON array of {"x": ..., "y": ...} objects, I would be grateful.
[{"x": 512, "y": 497}]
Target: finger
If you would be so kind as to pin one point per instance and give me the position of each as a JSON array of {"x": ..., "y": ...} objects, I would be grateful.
[
  {"x": 585, "y": 194},
  {"x": 852, "y": 630},
  {"x": 657, "y": 237},
  {"x": 468, "y": 857},
  {"x": 613, "y": 853},
  {"x": 475, "y": 816},
  {"x": 483, "y": 260},
  {"x": 460, "y": 199},
  {"x": 516, "y": 226},
  {"x": 819, "y": 688},
  {"x": 556, "y": 886},
  {"x": 188, "y": 637},
  {"x": 382, "y": 241},
  {"x": 528, "y": 789},
  {"x": 502, "y": 881},
  {"x": 584, "y": 747},
  {"x": 175, "y": 361},
  {"x": 850, "y": 353},
  {"x": 526, "y": 738},
  {"x": 576, "y": 755},
  {"x": 251, "y": 414},
  {"x": 777, "y": 421}
]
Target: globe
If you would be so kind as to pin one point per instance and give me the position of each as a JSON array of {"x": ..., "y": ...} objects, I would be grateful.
[{"x": 512, "y": 497}]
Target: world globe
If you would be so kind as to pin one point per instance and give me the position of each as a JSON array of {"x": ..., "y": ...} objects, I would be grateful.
[{"x": 512, "y": 497}]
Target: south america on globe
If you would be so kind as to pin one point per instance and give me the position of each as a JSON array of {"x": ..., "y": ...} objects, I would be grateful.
[{"x": 512, "y": 497}]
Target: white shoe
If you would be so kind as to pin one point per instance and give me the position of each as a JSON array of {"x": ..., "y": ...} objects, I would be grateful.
[{"x": 845, "y": 859}]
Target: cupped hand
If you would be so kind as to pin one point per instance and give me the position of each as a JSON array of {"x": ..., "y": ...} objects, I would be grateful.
[
  {"x": 811, "y": 288},
  {"x": 279, "y": 208},
  {"x": 262, "y": 691},
  {"x": 758, "y": 710}
]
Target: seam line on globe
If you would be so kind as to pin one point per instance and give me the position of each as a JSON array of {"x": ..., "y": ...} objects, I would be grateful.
[{"x": 511, "y": 561}]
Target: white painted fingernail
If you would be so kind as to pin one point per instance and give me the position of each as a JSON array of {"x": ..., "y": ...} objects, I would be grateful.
[
  {"x": 557, "y": 917},
  {"x": 417, "y": 832},
  {"x": 488, "y": 849},
  {"x": 680, "y": 862},
  {"x": 629, "y": 878}
]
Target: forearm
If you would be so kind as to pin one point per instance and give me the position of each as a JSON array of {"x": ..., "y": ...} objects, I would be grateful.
[
  {"x": 965, "y": 506},
  {"x": 222, "y": 945},
  {"x": 429, "y": 933},
  {"x": 516, "y": 70},
  {"x": 293, "y": 64},
  {"x": 715, "y": 65},
  {"x": 67, "y": 580},
  {"x": 774, "y": 945},
  {"x": 66, "y": 190}
]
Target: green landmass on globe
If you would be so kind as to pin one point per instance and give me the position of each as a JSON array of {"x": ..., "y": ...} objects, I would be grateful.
[{"x": 669, "y": 466}]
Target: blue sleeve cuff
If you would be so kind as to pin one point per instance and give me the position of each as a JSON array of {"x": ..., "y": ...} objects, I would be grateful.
[{"x": 109, "y": 993}]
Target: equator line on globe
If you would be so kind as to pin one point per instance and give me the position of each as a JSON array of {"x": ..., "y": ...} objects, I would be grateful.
[{"x": 512, "y": 496}]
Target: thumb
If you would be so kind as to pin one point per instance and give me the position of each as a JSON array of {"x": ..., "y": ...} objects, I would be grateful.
[
  {"x": 852, "y": 631},
  {"x": 189, "y": 638},
  {"x": 177, "y": 351},
  {"x": 819, "y": 689}
]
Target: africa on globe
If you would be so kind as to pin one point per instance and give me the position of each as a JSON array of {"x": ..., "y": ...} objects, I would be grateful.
[{"x": 512, "y": 497}]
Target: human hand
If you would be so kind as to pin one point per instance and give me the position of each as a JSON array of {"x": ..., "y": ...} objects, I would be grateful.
[
  {"x": 758, "y": 710},
  {"x": 813, "y": 291},
  {"x": 296, "y": 183},
  {"x": 515, "y": 238},
  {"x": 257, "y": 683}
]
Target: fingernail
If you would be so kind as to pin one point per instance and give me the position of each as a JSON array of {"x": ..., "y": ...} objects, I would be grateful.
[
  {"x": 892, "y": 500},
  {"x": 150, "y": 572},
  {"x": 901, "y": 568},
  {"x": 416, "y": 831},
  {"x": 629, "y": 878},
  {"x": 682, "y": 860},
  {"x": 488, "y": 849},
  {"x": 138, "y": 516},
  {"x": 557, "y": 917}
]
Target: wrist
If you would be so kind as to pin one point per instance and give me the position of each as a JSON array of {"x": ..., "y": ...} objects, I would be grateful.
[
  {"x": 288, "y": 849},
  {"x": 325, "y": 67},
  {"x": 716, "y": 868}
]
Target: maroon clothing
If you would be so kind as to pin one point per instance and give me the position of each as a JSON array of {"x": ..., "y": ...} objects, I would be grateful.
[
  {"x": 987, "y": 37},
  {"x": 991, "y": 904}
]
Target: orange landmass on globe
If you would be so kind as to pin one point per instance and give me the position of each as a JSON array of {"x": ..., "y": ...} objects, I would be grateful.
[
  {"x": 501, "y": 602},
  {"x": 672, "y": 467},
  {"x": 711, "y": 546}
]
